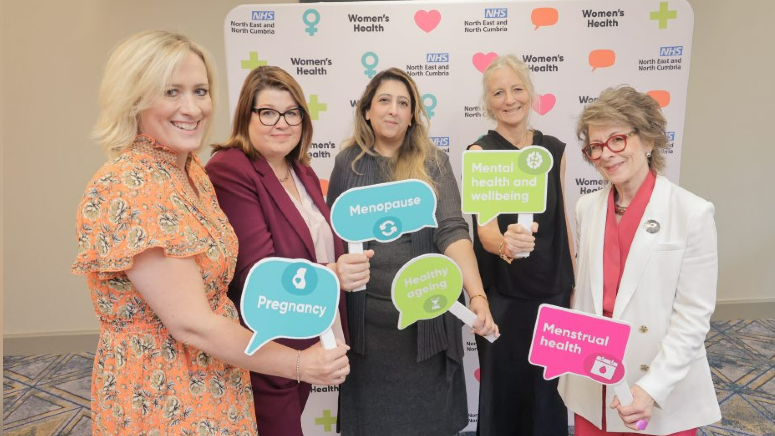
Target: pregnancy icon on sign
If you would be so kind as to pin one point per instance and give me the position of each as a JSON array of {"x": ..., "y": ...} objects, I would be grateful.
[{"x": 299, "y": 282}]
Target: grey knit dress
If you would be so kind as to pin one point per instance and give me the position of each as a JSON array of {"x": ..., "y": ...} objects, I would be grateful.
[{"x": 411, "y": 381}]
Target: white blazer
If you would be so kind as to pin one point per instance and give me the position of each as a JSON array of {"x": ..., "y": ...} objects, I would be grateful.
[{"x": 667, "y": 294}]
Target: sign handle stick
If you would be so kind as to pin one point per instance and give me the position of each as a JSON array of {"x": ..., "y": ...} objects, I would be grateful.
[
  {"x": 526, "y": 221},
  {"x": 328, "y": 339},
  {"x": 622, "y": 390},
  {"x": 357, "y": 248},
  {"x": 468, "y": 317}
]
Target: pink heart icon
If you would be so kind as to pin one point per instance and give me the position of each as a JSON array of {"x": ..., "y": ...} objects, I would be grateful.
[
  {"x": 482, "y": 61},
  {"x": 543, "y": 103},
  {"x": 476, "y": 374},
  {"x": 427, "y": 20}
]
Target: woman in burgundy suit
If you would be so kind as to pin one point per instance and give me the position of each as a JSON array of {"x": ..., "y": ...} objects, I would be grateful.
[{"x": 273, "y": 200}]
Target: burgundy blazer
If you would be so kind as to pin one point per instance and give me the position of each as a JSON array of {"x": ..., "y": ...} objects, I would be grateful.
[{"x": 267, "y": 223}]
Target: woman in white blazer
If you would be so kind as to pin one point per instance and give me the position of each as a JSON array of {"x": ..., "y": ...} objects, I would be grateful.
[{"x": 646, "y": 255}]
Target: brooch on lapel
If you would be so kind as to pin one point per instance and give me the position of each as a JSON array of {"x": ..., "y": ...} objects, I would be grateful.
[{"x": 651, "y": 226}]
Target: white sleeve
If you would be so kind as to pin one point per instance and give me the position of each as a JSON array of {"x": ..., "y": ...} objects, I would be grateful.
[{"x": 695, "y": 300}]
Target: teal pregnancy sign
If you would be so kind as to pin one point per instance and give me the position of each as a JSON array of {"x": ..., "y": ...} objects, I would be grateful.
[
  {"x": 288, "y": 298},
  {"x": 496, "y": 182},
  {"x": 384, "y": 212}
]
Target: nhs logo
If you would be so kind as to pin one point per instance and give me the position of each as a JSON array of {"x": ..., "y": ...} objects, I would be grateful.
[
  {"x": 496, "y": 13},
  {"x": 437, "y": 57},
  {"x": 670, "y": 136},
  {"x": 262, "y": 15},
  {"x": 442, "y": 142},
  {"x": 676, "y": 50}
]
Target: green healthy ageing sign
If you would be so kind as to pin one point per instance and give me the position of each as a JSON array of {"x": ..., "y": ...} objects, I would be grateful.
[
  {"x": 497, "y": 182},
  {"x": 428, "y": 286}
]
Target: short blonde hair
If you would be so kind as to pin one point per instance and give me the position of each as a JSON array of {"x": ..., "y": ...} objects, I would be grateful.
[
  {"x": 522, "y": 71},
  {"x": 137, "y": 73},
  {"x": 261, "y": 78},
  {"x": 624, "y": 106}
]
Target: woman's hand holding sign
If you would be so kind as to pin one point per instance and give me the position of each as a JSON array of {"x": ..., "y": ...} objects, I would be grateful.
[
  {"x": 517, "y": 240},
  {"x": 352, "y": 269},
  {"x": 484, "y": 325},
  {"x": 637, "y": 414},
  {"x": 319, "y": 366}
]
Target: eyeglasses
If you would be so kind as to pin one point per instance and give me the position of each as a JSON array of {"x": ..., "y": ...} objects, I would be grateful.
[
  {"x": 615, "y": 143},
  {"x": 270, "y": 117}
]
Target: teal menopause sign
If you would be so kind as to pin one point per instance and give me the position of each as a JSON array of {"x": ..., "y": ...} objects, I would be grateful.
[
  {"x": 289, "y": 298},
  {"x": 384, "y": 211}
]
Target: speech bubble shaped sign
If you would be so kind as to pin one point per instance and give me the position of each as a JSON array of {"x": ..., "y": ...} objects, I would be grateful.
[
  {"x": 426, "y": 287},
  {"x": 544, "y": 17},
  {"x": 288, "y": 298},
  {"x": 602, "y": 58},
  {"x": 661, "y": 96},
  {"x": 569, "y": 341},
  {"x": 496, "y": 182},
  {"x": 384, "y": 211}
]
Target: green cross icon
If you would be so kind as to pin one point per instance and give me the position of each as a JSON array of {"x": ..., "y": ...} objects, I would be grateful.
[
  {"x": 663, "y": 14},
  {"x": 326, "y": 420},
  {"x": 315, "y": 108},
  {"x": 252, "y": 61}
]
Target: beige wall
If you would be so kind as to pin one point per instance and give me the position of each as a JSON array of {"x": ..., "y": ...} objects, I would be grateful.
[
  {"x": 2, "y": 160},
  {"x": 54, "y": 53},
  {"x": 727, "y": 154}
]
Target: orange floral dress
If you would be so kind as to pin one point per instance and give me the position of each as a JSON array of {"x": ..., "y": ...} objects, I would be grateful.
[{"x": 145, "y": 382}]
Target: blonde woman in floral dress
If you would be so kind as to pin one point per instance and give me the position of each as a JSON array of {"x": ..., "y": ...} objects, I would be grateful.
[{"x": 158, "y": 254}]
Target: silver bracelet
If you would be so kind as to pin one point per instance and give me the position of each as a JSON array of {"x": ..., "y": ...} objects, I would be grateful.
[{"x": 298, "y": 366}]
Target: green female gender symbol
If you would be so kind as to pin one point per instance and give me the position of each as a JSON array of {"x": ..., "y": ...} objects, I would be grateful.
[
  {"x": 429, "y": 107},
  {"x": 311, "y": 24},
  {"x": 370, "y": 70}
]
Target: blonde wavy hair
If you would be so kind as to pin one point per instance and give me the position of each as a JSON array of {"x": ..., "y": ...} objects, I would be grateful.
[
  {"x": 519, "y": 68},
  {"x": 417, "y": 150},
  {"x": 136, "y": 74}
]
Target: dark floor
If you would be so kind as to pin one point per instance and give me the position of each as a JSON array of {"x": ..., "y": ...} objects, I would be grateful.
[{"x": 49, "y": 394}]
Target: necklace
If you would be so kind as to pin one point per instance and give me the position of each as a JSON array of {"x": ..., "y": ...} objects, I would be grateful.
[
  {"x": 517, "y": 144},
  {"x": 524, "y": 142},
  {"x": 619, "y": 210},
  {"x": 525, "y": 138},
  {"x": 287, "y": 174}
]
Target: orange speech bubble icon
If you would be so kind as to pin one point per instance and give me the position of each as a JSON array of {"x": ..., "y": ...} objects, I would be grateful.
[
  {"x": 324, "y": 186},
  {"x": 544, "y": 17},
  {"x": 601, "y": 58},
  {"x": 662, "y": 97}
]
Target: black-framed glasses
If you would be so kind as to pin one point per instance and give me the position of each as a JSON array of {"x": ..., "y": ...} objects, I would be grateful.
[
  {"x": 270, "y": 117},
  {"x": 616, "y": 143}
]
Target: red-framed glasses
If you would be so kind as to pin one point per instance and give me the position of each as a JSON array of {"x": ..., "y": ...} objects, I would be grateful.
[{"x": 616, "y": 143}]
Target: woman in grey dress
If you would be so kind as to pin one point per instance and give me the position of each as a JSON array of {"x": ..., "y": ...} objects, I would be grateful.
[{"x": 407, "y": 381}]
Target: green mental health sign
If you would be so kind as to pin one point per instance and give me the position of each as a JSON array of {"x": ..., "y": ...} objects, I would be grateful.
[{"x": 496, "y": 182}]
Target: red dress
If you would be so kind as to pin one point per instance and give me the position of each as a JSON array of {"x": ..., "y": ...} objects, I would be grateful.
[{"x": 616, "y": 248}]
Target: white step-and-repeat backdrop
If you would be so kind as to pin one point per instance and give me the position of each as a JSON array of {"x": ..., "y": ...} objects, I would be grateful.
[{"x": 575, "y": 49}]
